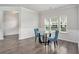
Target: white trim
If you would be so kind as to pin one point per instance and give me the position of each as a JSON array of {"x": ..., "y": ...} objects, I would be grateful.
[
  {"x": 68, "y": 40},
  {"x": 78, "y": 46},
  {"x": 1, "y": 38}
]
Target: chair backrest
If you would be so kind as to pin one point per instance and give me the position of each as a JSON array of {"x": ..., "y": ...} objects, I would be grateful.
[
  {"x": 56, "y": 34},
  {"x": 35, "y": 31}
]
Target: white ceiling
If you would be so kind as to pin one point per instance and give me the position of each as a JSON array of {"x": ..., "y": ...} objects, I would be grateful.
[
  {"x": 37, "y": 7},
  {"x": 42, "y": 7}
]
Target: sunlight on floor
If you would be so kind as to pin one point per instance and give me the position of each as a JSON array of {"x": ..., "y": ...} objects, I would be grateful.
[
  {"x": 62, "y": 50},
  {"x": 59, "y": 49}
]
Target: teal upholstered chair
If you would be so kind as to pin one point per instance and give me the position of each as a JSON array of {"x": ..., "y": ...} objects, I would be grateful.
[
  {"x": 53, "y": 38},
  {"x": 36, "y": 31},
  {"x": 38, "y": 35}
]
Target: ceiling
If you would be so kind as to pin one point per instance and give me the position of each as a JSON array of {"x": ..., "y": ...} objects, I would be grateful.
[
  {"x": 42, "y": 7},
  {"x": 37, "y": 7}
]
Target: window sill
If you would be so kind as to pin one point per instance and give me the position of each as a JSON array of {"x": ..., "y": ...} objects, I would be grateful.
[
  {"x": 59, "y": 31},
  {"x": 63, "y": 32}
]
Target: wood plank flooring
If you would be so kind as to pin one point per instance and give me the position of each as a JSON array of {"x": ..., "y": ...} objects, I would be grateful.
[{"x": 11, "y": 45}]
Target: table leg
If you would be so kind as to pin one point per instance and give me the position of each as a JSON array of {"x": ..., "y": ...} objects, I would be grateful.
[{"x": 39, "y": 38}]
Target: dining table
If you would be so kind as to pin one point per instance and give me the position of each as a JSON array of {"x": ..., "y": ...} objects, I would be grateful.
[{"x": 43, "y": 38}]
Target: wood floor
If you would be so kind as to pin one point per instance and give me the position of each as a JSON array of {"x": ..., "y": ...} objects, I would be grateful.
[{"x": 11, "y": 45}]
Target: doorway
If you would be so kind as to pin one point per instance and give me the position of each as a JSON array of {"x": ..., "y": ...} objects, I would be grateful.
[
  {"x": 11, "y": 30},
  {"x": 11, "y": 23}
]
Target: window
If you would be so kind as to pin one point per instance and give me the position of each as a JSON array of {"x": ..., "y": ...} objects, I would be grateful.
[
  {"x": 56, "y": 22},
  {"x": 63, "y": 20},
  {"x": 47, "y": 25}
]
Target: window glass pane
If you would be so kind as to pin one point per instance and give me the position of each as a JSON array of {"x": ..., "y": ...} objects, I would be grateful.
[
  {"x": 63, "y": 27},
  {"x": 47, "y": 24},
  {"x": 54, "y": 23},
  {"x": 53, "y": 27},
  {"x": 47, "y": 28},
  {"x": 63, "y": 23},
  {"x": 64, "y": 20}
]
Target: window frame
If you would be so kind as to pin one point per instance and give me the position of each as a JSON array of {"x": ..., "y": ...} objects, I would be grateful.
[{"x": 58, "y": 23}]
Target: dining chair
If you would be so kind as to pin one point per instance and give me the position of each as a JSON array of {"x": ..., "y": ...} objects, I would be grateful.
[
  {"x": 38, "y": 35},
  {"x": 53, "y": 38},
  {"x": 36, "y": 30}
]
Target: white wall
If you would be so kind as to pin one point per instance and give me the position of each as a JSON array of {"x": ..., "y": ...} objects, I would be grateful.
[
  {"x": 78, "y": 25},
  {"x": 72, "y": 23},
  {"x": 1, "y": 26},
  {"x": 2, "y": 9},
  {"x": 28, "y": 21},
  {"x": 11, "y": 22}
]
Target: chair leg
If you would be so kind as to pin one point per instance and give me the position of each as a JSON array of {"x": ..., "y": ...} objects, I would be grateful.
[
  {"x": 35, "y": 39},
  {"x": 49, "y": 48},
  {"x": 54, "y": 44},
  {"x": 40, "y": 39},
  {"x": 57, "y": 43},
  {"x": 43, "y": 38}
]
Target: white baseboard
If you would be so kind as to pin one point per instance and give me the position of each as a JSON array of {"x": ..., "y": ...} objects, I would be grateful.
[
  {"x": 78, "y": 45},
  {"x": 69, "y": 40},
  {"x": 24, "y": 37},
  {"x": 1, "y": 38}
]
